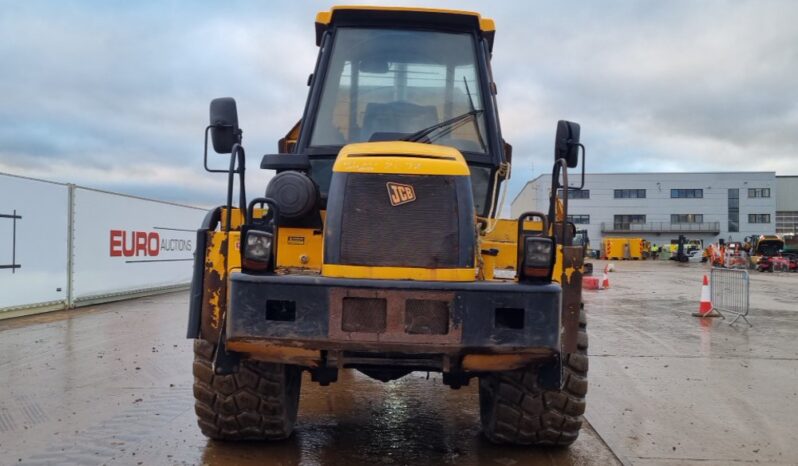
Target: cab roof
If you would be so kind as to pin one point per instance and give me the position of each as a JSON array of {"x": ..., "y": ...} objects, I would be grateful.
[{"x": 361, "y": 15}]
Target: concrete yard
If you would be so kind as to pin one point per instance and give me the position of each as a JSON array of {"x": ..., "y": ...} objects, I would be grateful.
[
  {"x": 669, "y": 388},
  {"x": 111, "y": 384}
]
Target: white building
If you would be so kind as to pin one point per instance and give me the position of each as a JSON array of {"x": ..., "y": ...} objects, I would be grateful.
[
  {"x": 787, "y": 204},
  {"x": 661, "y": 206}
]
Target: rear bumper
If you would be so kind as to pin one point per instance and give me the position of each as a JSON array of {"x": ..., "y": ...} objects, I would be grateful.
[{"x": 303, "y": 320}]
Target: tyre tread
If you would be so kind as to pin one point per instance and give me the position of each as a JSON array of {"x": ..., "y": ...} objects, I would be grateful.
[
  {"x": 515, "y": 410},
  {"x": 259, "y": 402}
]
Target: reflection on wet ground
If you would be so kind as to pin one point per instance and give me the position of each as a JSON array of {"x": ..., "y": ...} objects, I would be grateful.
[
  {"x": 409, "y": 421},
  {"x": 112, "y": 385}
]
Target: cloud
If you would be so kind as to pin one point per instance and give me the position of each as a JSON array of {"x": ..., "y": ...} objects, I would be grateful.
[
  {"x": 116, "y": 95},
  {"x": 654, "y": 82}
]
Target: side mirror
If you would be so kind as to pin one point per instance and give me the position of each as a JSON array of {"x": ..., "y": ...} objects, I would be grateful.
[
  {"x": 566, "y": 143},
  {"x": 224, "y": 125}
]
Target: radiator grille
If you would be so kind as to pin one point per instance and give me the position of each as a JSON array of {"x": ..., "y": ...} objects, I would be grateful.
[{"x": 419, "y": 233}]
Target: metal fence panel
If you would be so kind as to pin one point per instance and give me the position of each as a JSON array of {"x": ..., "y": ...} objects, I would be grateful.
[
  {"x": 62, "y": 245},
  {"x": 33, "y": 243},
  {"x": 729, "y": 292},
  {"x": 125, "y": 244}
]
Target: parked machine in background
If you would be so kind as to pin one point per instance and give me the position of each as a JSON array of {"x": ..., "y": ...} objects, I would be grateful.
[
  {"x": 768, "y": 254},
  {"x": 790, "y": 251},
  {"x": 734, "y": 256},
  {"x": 582, "y": 239},
  {"x": 626, "y": 248},
  {"x": 790, "y": 243},
  {"x": 377, "y": 246},
  {"x": 681, "y": 253},
  {"x": 768, "y": 246},
  {"x": 694, "y": 245}
]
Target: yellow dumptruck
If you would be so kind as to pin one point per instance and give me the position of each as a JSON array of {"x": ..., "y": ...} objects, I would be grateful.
[{"x": 377, "y": 245}]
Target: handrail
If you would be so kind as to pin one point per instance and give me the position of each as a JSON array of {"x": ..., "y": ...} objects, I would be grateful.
[{"x": 236, "y": 153}]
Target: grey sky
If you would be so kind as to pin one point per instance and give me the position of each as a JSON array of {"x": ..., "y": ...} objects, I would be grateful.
[{"x": 115, "y": 94}]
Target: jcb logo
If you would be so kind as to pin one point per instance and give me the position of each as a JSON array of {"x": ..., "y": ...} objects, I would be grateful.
[{"x": 400, "y": 193}]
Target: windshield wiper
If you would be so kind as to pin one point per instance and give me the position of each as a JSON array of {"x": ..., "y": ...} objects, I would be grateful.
[{"x": 451, "y": 124}]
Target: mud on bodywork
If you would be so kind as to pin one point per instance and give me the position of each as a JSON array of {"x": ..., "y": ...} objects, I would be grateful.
[
  {"x": 212, "y": 260},
  {"x": 214, "y": 285}
]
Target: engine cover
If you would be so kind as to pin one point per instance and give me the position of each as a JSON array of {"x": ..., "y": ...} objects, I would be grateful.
[{"x": 400, "y": 205}]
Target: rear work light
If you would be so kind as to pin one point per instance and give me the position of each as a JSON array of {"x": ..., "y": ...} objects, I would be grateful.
[
  {"x": 258, "y": 249},
  {"x": 538, "y": 257}
]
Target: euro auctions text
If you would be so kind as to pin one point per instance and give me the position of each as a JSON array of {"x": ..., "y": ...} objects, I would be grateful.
[{"x": 144, "y": 243}]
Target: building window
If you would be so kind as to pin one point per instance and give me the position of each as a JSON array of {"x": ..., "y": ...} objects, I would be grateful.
[
  {"x": 734, "y": 210},
  {"x": 579, "y": 219},
  {"x": 624, "y": 222},
  {"x": 758, "y": 192},
  {"x": 687, "y": 218},
  {"x": 787, "y": 221},
  {"x": 630, "y": 194},
  {"x": 575, "y": 194},
  {"x": 758, "y": 218},
  {"x": 687, "y": 193}
]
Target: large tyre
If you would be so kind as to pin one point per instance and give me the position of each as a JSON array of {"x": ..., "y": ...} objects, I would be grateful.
[
  {"x": 515, "y": 410},
  {"x": 259, "y": 402}
]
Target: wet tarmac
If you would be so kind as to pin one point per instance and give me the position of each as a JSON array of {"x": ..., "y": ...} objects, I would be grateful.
[{"x": 111, "y": 384}]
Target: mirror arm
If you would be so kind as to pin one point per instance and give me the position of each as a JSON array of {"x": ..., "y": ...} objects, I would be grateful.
[
  {"x": 555, "y": 184},
  {"x": 205, "y": 153},
  {"x": 205, "y": 150},
  {"x": 582, "y": 183}
]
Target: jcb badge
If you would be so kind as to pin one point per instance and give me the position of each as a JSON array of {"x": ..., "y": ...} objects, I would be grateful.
[{"x": 400, "y": 193}]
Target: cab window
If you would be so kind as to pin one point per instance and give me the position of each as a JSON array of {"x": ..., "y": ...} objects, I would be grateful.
[{"x": 386, "y": 84}]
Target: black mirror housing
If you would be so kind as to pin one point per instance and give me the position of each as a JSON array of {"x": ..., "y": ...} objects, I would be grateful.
[
  {"x": 566, "y": 143},
  {"x": 224, "y": 125}
]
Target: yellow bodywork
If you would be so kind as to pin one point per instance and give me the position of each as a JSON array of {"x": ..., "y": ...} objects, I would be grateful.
[
  {"x": 299, "y": 249},
  {"x": 398, "y": 157},
  {"x": 504, "y": 238},
  {"x": 221, "y": 258}
]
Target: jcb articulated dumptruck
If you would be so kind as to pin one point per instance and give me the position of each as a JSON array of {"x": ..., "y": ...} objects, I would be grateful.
[{"x": 377, "y": 247}]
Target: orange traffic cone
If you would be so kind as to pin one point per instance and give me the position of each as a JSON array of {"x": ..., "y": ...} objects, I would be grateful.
[{"x": 705, "y": 306}]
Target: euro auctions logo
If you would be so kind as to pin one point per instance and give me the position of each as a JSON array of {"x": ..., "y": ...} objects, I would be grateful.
[{"x": 144, "y": 243}]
